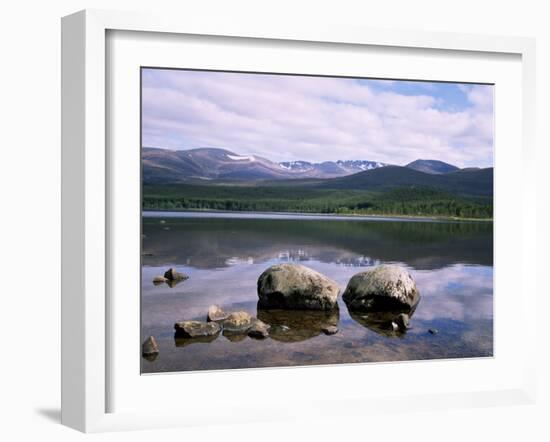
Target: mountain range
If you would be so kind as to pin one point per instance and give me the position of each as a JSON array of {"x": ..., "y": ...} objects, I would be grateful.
[{"x": 163, "y": 166}]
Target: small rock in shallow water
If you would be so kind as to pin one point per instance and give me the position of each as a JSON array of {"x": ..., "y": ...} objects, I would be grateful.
[
  {"x": 433, "y": 331},
  {"x": 260, "y": 330},
  {"x": 196, "y": 329},
  {"x": 402, "y": 321},
  {"x": 330, "y": 330},
  {"x": 159, "y": 280},
  {"x": 173, "y": 275},
  {"x": 149, "y": 347},
  {"x": 215, "y": 313},
  {"x": 237, "y": 322}
]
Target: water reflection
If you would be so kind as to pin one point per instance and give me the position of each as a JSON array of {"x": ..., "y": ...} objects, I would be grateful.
[
  {"x": 450, "y": 262},
  {"x": 218, "y": 243},
  {"x": 184, "y": 342},
  {"x": 380, "y": 322},
  {"x": 297, "y": 325}
]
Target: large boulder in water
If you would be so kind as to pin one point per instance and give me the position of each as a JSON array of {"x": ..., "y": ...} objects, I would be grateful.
[
  {"x": 296, "y": 287},
  {"x": 384, "y": 288}
]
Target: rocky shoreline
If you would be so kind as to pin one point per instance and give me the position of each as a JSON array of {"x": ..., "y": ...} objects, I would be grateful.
[{"x": 295, "y": 297}]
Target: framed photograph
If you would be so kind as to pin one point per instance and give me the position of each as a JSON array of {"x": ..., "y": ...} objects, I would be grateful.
[{"x": 266, "y": 209}]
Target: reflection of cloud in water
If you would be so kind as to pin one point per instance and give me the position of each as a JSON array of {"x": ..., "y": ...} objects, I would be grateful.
[
  {"x": 452, "y": 265},
  {"x": 237, "y": 260},
  {"x": 458, "y": 292}
]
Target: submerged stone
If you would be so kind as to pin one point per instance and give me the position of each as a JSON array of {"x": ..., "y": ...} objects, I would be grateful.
[
  {"x": 259, "y": 330},
  {"x": 296, "y": 287},
  {"x": 298, "y": 325},
  {"x": 159, "y": 280},
  {"x": 389, "y": 324},
  {"x": 330, "y": 330},
  {"x": 402, "y": 321}
]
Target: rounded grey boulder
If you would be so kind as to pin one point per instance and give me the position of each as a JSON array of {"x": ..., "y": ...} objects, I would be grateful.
[
  {"x": 296, "y": 287},
  {"x": 384, "y": 288}
]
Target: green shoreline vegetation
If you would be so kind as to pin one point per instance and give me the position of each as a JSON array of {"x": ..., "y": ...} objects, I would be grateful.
[{"x": 402, "y": 201}]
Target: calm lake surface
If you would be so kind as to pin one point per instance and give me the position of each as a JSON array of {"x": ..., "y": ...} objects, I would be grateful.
[{"x": 223, "y": 254}]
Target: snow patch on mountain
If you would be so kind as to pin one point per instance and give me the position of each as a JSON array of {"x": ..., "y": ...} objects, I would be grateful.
[
  {"x": 241, "y": 157},
  {"x": 301, "y": 166}
]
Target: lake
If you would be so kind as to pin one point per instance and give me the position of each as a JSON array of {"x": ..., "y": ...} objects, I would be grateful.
[{"x": 224, "y": 254}]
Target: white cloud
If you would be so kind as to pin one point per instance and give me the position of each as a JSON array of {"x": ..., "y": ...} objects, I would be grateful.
[{"x": 313, "y": 118}]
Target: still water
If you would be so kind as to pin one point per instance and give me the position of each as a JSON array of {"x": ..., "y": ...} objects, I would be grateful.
[{"x": 223, "y": 254}]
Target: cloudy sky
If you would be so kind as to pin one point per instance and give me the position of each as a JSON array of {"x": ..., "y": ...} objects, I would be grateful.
[{"x": 286, "y": 118}]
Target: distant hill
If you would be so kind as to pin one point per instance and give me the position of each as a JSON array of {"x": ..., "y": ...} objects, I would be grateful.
[
  {"x": 432, "y": 166},
  {"x": 462, "y": 182},
  {"x": 165, "y": 166},
  {"x": 175, "y": 166},
  {"x": 219, "y": 166}
]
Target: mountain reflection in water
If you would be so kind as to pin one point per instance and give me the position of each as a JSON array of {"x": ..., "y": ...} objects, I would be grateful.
[{"x": 452, "y": 264}]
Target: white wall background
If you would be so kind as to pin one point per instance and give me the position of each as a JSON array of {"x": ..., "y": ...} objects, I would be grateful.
[{"x": 30, "y": 198}]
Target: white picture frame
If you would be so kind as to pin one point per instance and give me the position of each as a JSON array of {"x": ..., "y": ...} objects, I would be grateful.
[{"x": 85, "y": 216}]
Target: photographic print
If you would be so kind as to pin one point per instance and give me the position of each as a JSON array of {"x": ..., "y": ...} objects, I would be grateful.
[{"x": 296, "y": 220}]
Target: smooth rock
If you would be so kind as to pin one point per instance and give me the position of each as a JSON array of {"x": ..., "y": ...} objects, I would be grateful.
[
  {"x": 296, "y": 287},
  {"x": 215, "y": 313},
  {"x": 159, "y": 280},
  {"x": 384, "y": 288},
  {"x": 149, "y": 347},
  {"x": 173, "y": 275},
  {"x": 433, "y": 331},
  {"x": 402, "y": 321},
  {"x": 196, "y": 329},
  {"x": 259, "y": 330},
  {"x": 330, "y": 330},
  {"x": 237, "y": 322}
]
